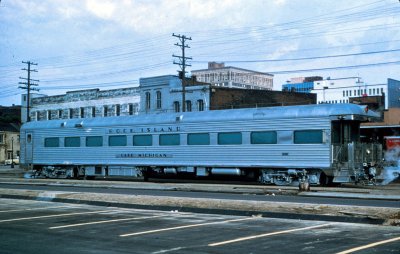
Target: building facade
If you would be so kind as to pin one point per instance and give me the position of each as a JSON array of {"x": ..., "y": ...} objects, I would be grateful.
[
  {"x": 10, "y": 122},
  {"x": 344, "y": 89},
  {"x": 9, "y": 143},
  {"x": 85, "y": 103},
  {"x": 300, "y": 84},
  {"x": 157, "y": 95},
  {"x": 348, "y": 90},
  {"x": 220, "y": 75},
  {"x": 164, "y": 94}
]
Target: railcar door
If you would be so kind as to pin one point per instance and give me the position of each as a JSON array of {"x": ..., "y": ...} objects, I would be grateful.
[
  {"x": 345, "y": 135},
  {"x": 28, "y": 147}
]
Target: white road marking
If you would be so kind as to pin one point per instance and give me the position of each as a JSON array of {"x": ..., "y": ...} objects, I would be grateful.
[
  {"x": 107, "y": 221},
  {"x": 187, "y": 226},
  {"x": 31, "y": 209},
  {"x": 369, "y": 246},
  {"x": 51, "y": 216},
  {"x": 267, "y": 234},
  {"x": 165, "y": 251}
]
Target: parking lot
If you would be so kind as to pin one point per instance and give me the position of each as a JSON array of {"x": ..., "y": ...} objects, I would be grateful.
[{"x": 45, "y": 227}]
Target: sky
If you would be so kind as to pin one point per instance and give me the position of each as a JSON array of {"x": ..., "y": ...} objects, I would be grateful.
[{"x": 107, "y": 44}]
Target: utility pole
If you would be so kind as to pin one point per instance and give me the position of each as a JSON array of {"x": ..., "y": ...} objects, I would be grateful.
[
  {"x": 28, "y": 83},
  {"x": 182, "y": 63}
]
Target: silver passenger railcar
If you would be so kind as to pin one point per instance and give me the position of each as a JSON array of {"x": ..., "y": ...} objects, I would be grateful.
[{"x": 319, "y": 144}]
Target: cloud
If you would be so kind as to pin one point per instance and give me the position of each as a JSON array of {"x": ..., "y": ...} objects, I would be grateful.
[{"x": 103, "y": 9}]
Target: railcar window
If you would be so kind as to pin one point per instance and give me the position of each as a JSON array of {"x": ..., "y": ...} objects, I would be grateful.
[
  {"x": 264, "y": 137},
  {"x": 72, "y": 142},
  {"x": 51, "y": 142},
  {"x": 29, "y": 138},
  {"x": 94, "y": 141},
  {"x": 119, "y": 140},
  {"x": 198, "y": 139},
  {"x": 308, "y": 137},
  {"x": 142, "y": 140},
  {"x": 169, "y": 140},
  {"x": 230, "y": 138}
]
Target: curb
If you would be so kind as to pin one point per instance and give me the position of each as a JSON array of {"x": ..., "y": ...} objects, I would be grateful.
[{"x": 236, "y": 189}]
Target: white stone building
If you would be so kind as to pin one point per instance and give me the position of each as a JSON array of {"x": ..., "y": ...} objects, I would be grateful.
[
  {"x": 85, "y": 103},
  {"x": 154, "y": 95},
  {"x": 219, "y": 75},
  {"x": 164, "y": 94},
  {"x": 343, "y": 90}
]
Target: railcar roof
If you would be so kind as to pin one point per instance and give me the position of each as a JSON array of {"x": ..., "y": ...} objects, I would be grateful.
[{"x": 302, "y": 111}]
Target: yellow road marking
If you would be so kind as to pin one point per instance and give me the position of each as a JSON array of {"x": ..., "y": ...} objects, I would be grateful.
[
  {"x": 369, "y": 245},
  {"x": 187, "y": 226},
  {"x": 51, "y": 216},
  {"x": 267, "y": 234},
  {"x": 106, "y": 221}
]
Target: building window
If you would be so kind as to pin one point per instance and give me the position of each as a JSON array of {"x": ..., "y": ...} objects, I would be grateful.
[
  {"x": 381, "y": 90},
  {"x": 188, "y": 106},
  {"x": 177, "y": 107},
  {"x": 343, "y": 93},
  {"x": 2, "y": 138},
  {"x": 105, "y": 111},
  {"x": 148, "y": 101},
  {"x": 200, "y": 105},
  {"x": 347, "y": 93},
  {"x": 93, "y": 111},
  {"x": 49, "y": 115},
  {"x": 82, "y": 112},
  {"x": 130, "y": 109},
  {"x": 60, "y": 116},
  {"x": 158, "y": 97},
  {"x": 117, "y": 110},
  {"x": 71, "y": 113}
]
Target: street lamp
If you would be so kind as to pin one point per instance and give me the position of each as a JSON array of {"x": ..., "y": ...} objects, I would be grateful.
[{"x": 12, "y": 152}]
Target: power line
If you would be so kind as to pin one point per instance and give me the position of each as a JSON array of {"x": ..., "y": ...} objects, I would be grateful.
[
  {"x": 182, "y": 64},
  {"x": 28, "y": 85}
]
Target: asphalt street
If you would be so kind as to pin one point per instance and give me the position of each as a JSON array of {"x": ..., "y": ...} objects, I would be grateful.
[{"x": 29, "y": 226}]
